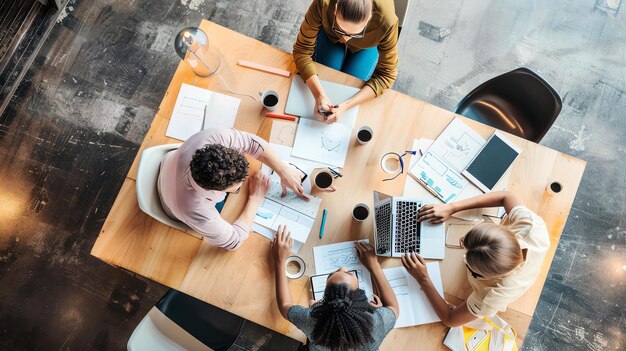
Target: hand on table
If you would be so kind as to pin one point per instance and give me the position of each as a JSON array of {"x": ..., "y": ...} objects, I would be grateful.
[
  {"x": 367, "y": 255},
  {"x": 416, "y": 266},
  {"x": 437, "y": 213},
  {"x": 291, "y": 177},
  {"x": 281, "y": 245},
  {"x": 259, "y": 186}
]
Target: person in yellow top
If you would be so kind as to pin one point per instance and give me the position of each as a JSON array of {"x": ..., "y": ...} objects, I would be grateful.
[
  {"x": 358, "y": 37},
  {"x": 502, "y": 261}
]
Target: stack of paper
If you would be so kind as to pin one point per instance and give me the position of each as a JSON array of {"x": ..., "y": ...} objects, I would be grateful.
[
  {"x": 188, "y": 116},
  {"x": 415, "y": 309},
  {"x": 329, "y": 258},
  {"x": 297, "y": 214},
  {"x": 439, "y": 169}
]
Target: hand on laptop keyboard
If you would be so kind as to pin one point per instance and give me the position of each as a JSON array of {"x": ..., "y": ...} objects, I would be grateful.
[{"x": 435, "y": 213}]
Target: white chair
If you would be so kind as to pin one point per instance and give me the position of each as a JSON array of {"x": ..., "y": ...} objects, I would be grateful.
[
  {"x": 156, "y": 332},
  {"x": 402, "y": 8},
  {"x": 147, "y": 177}
]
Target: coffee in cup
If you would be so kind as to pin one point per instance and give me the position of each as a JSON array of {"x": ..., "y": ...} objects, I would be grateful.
[
  {"x": 364, "y": 134},
  {"x": 269, "y": 99},
  {"x": 555, "y": 187},
  {"x": 323, "y": 179},
  {"x": 294, "y": 267},
  {"x": 360, "y": 212},
  {"x": 390, "y": 163}
]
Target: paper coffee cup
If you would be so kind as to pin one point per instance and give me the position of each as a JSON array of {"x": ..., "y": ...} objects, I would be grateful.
[
  {"x": 323, "y": 179},
  {"x": 294, "y": 267},
  {"x": 360, "y": 212},
  {"x": 390, "y": 163},
  {"x": 364, "y": 135},
  {"x": 269, "y": 99}
]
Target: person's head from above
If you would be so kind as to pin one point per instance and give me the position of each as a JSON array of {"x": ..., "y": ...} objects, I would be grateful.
[
  {"x": 351, "y": 18},
  {"x": 216, "y": 167},
  {"x": 492, "y": 251},
  {"x": 344, "y": 315}
]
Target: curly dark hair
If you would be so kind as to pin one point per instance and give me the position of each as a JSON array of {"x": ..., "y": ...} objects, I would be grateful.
[
  {"x": 216, "y": 167},
  {"x": 344, "y": 319}
]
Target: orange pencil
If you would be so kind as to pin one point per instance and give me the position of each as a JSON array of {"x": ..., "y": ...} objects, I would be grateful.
[{"x": 273, "y": 115}]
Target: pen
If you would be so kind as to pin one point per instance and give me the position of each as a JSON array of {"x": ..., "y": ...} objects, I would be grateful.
[
  {"x": 327, "y": 113},
  {"x": 273, "y": 115},
  {"x": 204, "y": 117},
  {"x": 323, "y": 223}
]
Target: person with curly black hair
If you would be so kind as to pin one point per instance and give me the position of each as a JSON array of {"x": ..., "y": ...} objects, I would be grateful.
[
  {"x": 196, "y": 177},
  {"x": 344, "y": 319}
]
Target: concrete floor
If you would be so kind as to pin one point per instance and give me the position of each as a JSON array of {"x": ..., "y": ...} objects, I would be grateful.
[{"x": 76, "y": 121}]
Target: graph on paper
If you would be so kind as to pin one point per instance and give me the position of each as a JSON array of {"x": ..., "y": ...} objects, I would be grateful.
[{"x": 329, "y": 258}]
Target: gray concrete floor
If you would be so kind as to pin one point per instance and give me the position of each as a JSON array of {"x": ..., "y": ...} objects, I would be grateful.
[{"x": 75, "y": 123}]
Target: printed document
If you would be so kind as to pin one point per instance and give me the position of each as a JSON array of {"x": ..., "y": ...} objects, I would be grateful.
[
  {"x": 415, "y": 309},
  {"x": 329, "y": 258},
  {"x": 188, "y": 116}
]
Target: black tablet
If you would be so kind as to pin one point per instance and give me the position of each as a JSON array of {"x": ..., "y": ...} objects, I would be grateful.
[{"x": 493, "y": 160}]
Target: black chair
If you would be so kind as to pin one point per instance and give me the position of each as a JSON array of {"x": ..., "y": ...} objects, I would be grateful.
[
  {"x": 179, "y": 321},
  {"x": 519, "y": 102}
]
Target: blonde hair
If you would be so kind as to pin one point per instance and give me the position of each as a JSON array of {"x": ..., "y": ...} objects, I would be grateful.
[
  {"x": 492, "y": 250},
  {"x": 355, "y": 11}
]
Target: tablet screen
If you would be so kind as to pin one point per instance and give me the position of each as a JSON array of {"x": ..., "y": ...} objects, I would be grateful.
[{"x": 492, "y": 161}]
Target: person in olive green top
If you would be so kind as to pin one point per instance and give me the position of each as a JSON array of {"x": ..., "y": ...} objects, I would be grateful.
[{"x": 358, "y": 37}]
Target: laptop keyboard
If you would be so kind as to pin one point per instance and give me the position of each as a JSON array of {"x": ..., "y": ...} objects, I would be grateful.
[
  {"x": 383, "y": 229},
  {"x": 407, "y": 238}
]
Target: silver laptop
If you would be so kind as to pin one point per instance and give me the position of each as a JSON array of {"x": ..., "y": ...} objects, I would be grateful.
[{"x": 396, "y": 231}]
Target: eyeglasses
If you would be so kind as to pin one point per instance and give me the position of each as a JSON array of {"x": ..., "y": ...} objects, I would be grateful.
[
  {"x": 238, "y": 189},
  {"x": 342, "y": 33},
  {"x": 407, "y": 152},
  {"x": 474, "y": 274}
]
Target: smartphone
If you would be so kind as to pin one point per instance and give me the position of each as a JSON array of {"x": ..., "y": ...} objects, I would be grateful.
[{"x": 475, "y": 340}]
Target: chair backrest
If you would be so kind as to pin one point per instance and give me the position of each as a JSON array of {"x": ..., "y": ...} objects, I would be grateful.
[
  {"x": 212, "y": 326},
  {"x": 147, "y": 177},
  {"x": 156, "y": 332},
  {"x": 521, "y": 96},
  {"x": 402, "y": 8}
]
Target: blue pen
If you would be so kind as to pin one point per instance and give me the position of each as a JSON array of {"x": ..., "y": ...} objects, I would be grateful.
[{"x": 323, "y": 223}]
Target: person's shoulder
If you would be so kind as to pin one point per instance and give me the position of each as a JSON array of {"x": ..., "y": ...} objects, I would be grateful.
[
  {"x": 386, "y": 12},
  {"x": 387, "y": 316},
  {"x": 528, "y": 226},
  {"x": 297, "y": 312}
]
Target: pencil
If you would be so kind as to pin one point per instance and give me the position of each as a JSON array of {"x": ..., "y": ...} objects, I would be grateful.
[
  {"x": 273, "y": 115},
  {"x": 323, "y": 223}
]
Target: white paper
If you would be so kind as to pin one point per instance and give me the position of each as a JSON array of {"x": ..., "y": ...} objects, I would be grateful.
[
  {"x": 457, "y": 145},
  {"x": 439, "y": 169},
  {"x": 321, "y": 142},
  {"x": 302, "y": 103},
  {"x": 307, "y": 166},
  {"x": 415, "y": 308},
  {"x": 298, "y": 215},
  {"x": 188, "y": 114},
  {"x": 329, "y": 258}
]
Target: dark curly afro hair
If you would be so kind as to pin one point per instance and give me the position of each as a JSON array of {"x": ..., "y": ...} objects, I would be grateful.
[
  {"x": 344, "y": 319},
  {"x": 216, "y": 167}
]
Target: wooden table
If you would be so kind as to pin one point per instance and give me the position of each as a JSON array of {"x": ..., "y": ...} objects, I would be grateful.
[{"x": 241, "y": 281}]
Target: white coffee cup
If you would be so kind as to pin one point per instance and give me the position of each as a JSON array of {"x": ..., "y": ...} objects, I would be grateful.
[
  {"x": 294, "y": 267},
  {"x": 269, "y": 99},
  {"x": 360, "y": 212},
  {"x": 364, "y": 135},
  {"x": 390, "y": 163}
]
